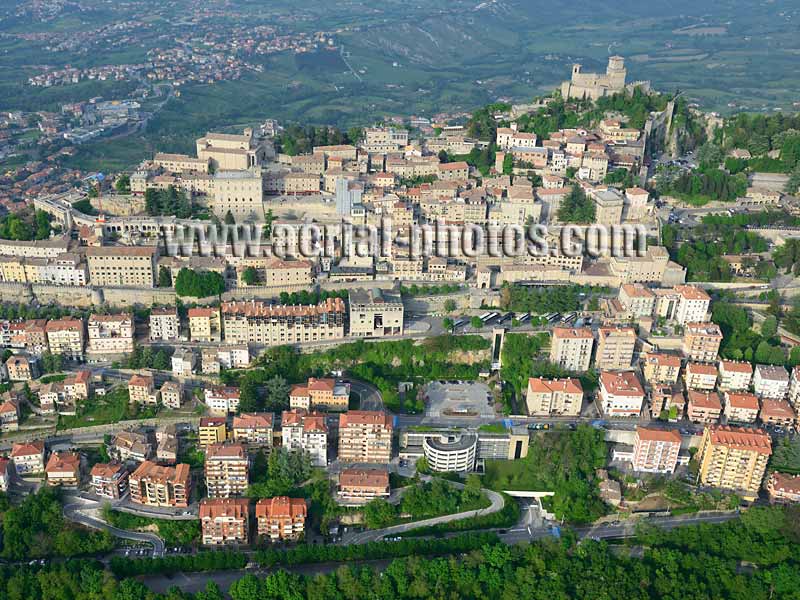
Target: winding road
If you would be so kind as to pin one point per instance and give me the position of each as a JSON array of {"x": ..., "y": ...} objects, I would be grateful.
[
  {"x": 363, "y": 537},
  {"x": 73, "y": 512}
]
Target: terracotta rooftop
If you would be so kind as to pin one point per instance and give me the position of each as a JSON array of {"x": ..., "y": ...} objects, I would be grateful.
[
  {"x": 691, "y": 292},
  {"x": 621, "y": 383},
  {"x": 694, "y": 368},
  {"x": 199, "y": 311},
  {"x": 281, "y": 507},
  {"x": 261, "y": 309},
  {"x": 634, "y": 290},
  {"x": 736, "y": 366},
  {"x": 776, "y": 409},
  {"x": 252, "y": 420},
  {"x": 365, "y": 417},
  {"x": 708, "y": 400},
  {"x": 364, "y": 478},
  {"x": 742, "y": 438},
  {"x": 663, "y": 359},
  {"x": 572, "y": 333},
  {"x": 213, "y": 508},
  {"x": 106, "y": 470},
  {"x": 212, "y": 421},
  {"x": 742, "y": 400},
  {"x": 567, "y": 385},
  {"x": 27, "y": 448},
  {"x": 64, "y": 325},
  {"x": 150, "y": 470},
  {"x": 63, "y": 461},
  {"x": 658, "y": 435},
  {"x": 222, "y": 450},
  {"x": 784, "y": 482}
]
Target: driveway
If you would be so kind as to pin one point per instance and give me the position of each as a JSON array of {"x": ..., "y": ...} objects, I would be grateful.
[
  {"x": 497, "y": 504},
  {"x": 74, "y": 512}
]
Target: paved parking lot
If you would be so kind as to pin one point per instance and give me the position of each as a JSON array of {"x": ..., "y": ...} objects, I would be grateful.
[{"x": 458, "y": 399}]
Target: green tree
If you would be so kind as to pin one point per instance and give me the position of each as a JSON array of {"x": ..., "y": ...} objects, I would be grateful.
[
  {"x": 447, "y": 324},
  {"x": 199, "y": 284},
  {"x": 576, "y": 207},
  {"x": 164, "y": 277},
  {"x": 378, "y": 513},
  {"x": 250, "y": 276},
  {"x": 229, "y": 218},
  {"x": 476, "y": 323},
  {"x": 276, "y": 394},
  {"x": 123, "y": 184},
  {"x": 508, "y": 164},
  {"x": 449, "y": 305},
  {"x": 769, "y": 327}
]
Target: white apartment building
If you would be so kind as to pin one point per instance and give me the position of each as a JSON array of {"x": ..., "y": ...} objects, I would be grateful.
[
  {"x": 571, "y": 348},
  {"x": 621, "y": 394},
  {"x": 770, "y": 381},
  {"x": 164, "y": 324},
  {"x": 222, "y": 400},
  {"x": 741, "y": 407},
  {"x": 559, "y": 397},
  {"x": 306, "y": 432},
  {"x": 110, "y": 334},
  {"x": 735, "y": 375},
  {"x": 693, "y": 306},
  {"x": 637, "y": 299},
  {"x": 699, "y": 376}
]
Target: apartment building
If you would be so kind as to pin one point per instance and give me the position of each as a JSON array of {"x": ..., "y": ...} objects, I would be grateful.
[
  {"x": 131, "y": 446},
  {"x": 155, "y": 485},
  {"x": 22, "y": 367},
  {"x": 734, "y": 375},
  {"x": 261, "y": 323},
  {"x": 794, "y": 388},
  {"x": 621, "y": 394},
  {"x": 381, "y": 140},
  {"x": 783, "y": 487},
  {"x": 109, "y": 480},
  {"x": 700, "y": 376},
  {"x": 130, "y": 266},
  {"x": 777, "y": 412},
  {"x": 771, "y": 381},
  {"x": 741, "y": 407},
  {"x": 9, "y": 416},
  {"x": 661, "y": 368},
  {"x": 701, "y": 341},
  {"x": 554, "y": 397},
  {"x": 240, "y": 193},
  {"x": 637, "y": 299},
  {"x": 183, "y": 362},
  {"x": 365, "y": 437},
  {"x": 703, "y": 406},
  {"x": 6, "y": 473},
  {"x": 65, "y": 337},
  {"x": 734, "y": 458},
  {"x": 78, "y": 386},
  {"x": 359, "y": 486},
  {"x": 28, "y": 457},
  {"x": 171, "y": 394},
  {"x": 288, "y": 273},
  {"x": 306, "y": 432},
  {"x": 222, "y": 400},
  {"x": 204, "y": 324},
  {"x": 693, "y": 304},
  {"x": 225, "y": 521},
  {"x": 141, "y": 389},
  {"x": 656, "y": 450},
  {"x": 253, "y": 429},
  {"x": 375, "y": 313},
  {"x": 281, "y": 518},
  {"x": 164, "y": 324},
  {"x": 63, "y": 469},
  {"x": 571, "y": 348},
  {"x": 110, "y": 334},
  {"x": 615, "y": 346},
  {"x": 324, "y": 394},
  {"x": 212, "y": 430},
  {"x": 454, "y": 171},
  {"x": 227, "y": 470}
]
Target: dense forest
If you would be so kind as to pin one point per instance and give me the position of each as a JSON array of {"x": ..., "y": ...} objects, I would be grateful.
[{"x": 752, "y": 558}]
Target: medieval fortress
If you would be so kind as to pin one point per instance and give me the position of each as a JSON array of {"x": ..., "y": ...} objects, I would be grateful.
[{"x": 596, "y": 85}]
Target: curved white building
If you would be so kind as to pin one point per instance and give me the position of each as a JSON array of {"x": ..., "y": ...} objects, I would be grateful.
[{"x": 454, "y": 453}]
